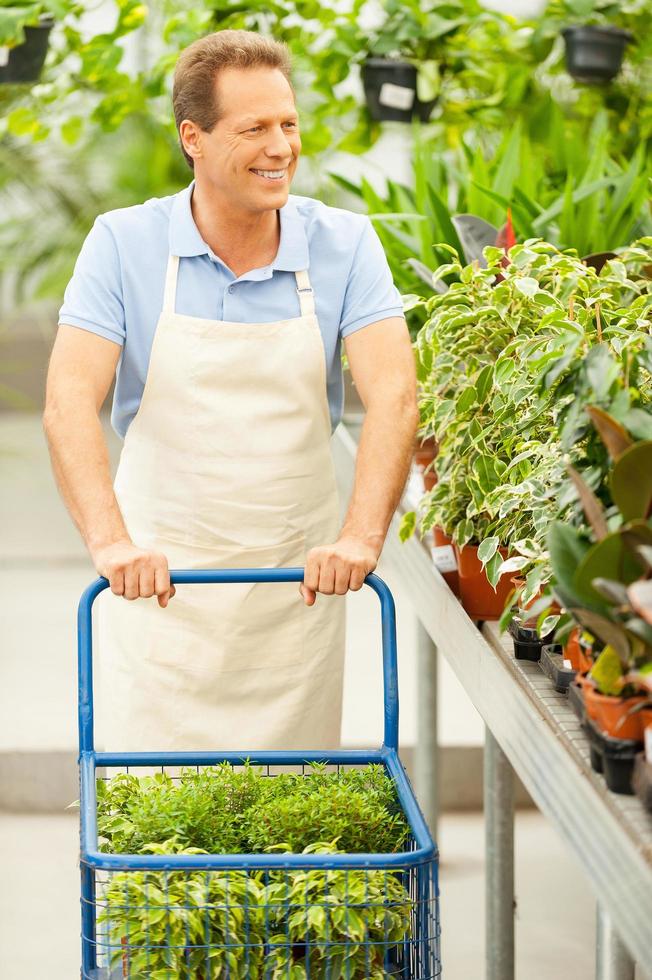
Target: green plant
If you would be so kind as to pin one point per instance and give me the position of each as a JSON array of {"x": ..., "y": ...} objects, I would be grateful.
[
  {"x": 602, "y": 576},
  {"x": 290, "y": 922},
  {"x": 16, "y": 15},
  {"x": 226, "y": 810},
  {"x": 509, "y": 358}
]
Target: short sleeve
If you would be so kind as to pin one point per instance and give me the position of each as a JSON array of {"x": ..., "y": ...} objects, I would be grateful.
[
  {"x": 93, "y": 297},
  {"x": 370, "y": 291}
]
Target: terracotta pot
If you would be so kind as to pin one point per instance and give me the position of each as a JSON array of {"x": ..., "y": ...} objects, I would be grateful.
[
  {"x": 573, "y": 651},
  {"x": 424, "y": 456},
  {"x": 442, "y": 540},
  {"x": 590, "y": 696},
  {"x": 478, "y": 596},
  {"x": 612, "y": 714},
  {"x": 586, "y": 653}
]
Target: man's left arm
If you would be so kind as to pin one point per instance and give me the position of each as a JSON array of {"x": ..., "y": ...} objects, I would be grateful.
[{"x": 382, "y": 366}]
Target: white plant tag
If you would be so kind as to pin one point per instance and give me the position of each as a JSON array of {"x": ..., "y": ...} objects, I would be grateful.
[
  {"x": 444, "y": 558},
  {"x": 4, "y": 57},
  {"x": 648, "y": 744},
  {"x": 568, "y": 665},
  {"x": 396, "y": 96}
]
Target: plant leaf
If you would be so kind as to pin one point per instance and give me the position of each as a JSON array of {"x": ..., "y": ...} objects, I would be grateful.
[
  {"x": 612, "y": 433},
  {"x": 590, "y": 504}
]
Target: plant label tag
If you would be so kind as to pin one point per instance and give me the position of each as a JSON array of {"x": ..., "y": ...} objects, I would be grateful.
[
  {"x": 444, "y": 558},
  {"x": 648, "y": 744},
  {"x": 396, "y": 96},
  {"x": 4, "y": 57},
  {"x": 567, "y": 665}
]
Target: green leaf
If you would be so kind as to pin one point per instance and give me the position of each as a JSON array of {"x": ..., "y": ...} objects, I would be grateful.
[
  {"x": 488, "y": 549},
  {"x": 607, "y": 672},
  {"x": 631, "y": 481},
  {"x": 609, "y": 559},
  {"x": 567, "y": 550}
]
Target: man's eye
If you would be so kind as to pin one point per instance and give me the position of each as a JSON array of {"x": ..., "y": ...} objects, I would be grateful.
[
  {"x": 254, "y": 129},
  {"x": 290, "y": 124}
]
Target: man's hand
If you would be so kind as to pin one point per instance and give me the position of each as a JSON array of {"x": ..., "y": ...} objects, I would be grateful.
[
  {"x": 134, "y": 572},
  {"x": 336, "y": 568}
]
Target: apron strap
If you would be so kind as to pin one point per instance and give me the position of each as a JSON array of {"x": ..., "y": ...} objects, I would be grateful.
[
  {"x": 170, "y": 294},
  {"x": 306, "y": 295}
]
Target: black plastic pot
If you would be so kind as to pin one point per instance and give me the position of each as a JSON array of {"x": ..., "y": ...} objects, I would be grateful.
[
  {"x": 642, "y": 780},
  {"x": 614, "y": 757},
  {"x": 576, "y": 701},
  {"x": 25, "y": 61},
  {"x": 390, "y": 88},
  {"x": 527, "y": 642},
  {"x": 594, "y": 53},
  {"x": 552, "y": 664}
]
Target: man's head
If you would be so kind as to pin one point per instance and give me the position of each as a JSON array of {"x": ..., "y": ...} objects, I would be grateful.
[{"x": 235, "y": 113}]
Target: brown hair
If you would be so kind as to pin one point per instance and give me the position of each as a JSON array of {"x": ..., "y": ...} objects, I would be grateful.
[{"x": 193, "y": 91}]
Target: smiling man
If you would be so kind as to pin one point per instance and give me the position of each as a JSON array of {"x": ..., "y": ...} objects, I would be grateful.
[{"x": 221, "y": 311}]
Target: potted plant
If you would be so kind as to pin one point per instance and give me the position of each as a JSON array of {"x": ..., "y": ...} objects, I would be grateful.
[
  {"x": 602, "y": 579},
  {"x": 24, "y": 31}
]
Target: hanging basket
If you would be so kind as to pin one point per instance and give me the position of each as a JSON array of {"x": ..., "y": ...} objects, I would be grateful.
[
  {"x": 24, "y": 62},
  {"x": 594, "y": 54},
  {"x": 390, "y": 88}
]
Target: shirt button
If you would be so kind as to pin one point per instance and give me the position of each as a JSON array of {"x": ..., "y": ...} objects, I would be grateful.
[{"x": 231, "y": 288}]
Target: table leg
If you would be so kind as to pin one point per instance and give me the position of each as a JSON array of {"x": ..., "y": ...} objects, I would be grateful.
[
  {"x": 612, "y": 960},
  {"x": 427, "y": 747},
  {"x": 499, "y": 843}
]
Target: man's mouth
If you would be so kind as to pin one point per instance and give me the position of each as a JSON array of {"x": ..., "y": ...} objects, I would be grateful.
[{"x": 270, "y": 174}]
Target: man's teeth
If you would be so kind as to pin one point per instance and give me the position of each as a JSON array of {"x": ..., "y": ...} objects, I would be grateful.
[{"x": 274, "y": 174}]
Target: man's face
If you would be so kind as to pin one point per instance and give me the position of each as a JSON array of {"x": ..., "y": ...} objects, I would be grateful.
[{"x": 252, "y": 153}]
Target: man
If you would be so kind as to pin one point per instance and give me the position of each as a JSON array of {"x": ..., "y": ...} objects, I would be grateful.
[{"x": 222, "y": 308}]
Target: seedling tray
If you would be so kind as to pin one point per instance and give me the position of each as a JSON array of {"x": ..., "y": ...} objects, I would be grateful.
[
  {"x": 552, "y": 664},
  {"x": 614, "y": 757}
]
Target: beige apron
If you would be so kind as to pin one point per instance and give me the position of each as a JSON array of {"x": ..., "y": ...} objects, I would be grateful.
[{"x": 227, "y": 464}]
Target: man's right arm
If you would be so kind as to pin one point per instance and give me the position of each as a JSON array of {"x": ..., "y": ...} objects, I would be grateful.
[{"x": 81, "y": 369}]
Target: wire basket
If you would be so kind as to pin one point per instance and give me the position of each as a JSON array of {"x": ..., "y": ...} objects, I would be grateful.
[{"x": 323, "y": 916}]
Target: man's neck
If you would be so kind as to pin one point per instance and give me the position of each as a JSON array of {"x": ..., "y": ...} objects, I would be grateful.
[{"x": 244, "y": 240}]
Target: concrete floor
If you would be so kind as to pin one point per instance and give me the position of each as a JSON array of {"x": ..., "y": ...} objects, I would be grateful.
[{"x": 39, "y": 901}]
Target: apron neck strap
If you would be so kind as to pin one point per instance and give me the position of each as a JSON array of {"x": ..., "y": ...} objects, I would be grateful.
[
  {"x": 170, "y": 294},
  {"x": 304, "y": 289},
  {"x": 306, "y": 296}
]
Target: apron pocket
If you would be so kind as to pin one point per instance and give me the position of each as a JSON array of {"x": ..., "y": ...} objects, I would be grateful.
[{"x": 244, "y": 626}]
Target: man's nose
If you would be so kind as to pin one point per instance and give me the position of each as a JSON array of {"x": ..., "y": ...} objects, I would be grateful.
[{"x": 278, "y": 145}]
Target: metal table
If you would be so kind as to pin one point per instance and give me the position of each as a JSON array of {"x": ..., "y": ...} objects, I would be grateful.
[{"x": 532, "y": 729}]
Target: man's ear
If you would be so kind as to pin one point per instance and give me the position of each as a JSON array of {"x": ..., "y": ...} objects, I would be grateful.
[{"x": 190, "y": 135}]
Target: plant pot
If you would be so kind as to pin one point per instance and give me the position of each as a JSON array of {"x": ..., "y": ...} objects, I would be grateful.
[
  {"x": 424, "y": 457},
  {"x": 24, "y": 62},
  {"x": 527, "y": 642},
  {"x": 611, "y": 714},
  {"x": 614, "y": 757},
  {"x": 642, "y": 780},
  {"x": 478, "y": 596},
  {"x": 573, "y": 652},
  {"x": 552, "y": 664},
  {"x": 594, "y": 53},
  {"x": 390, "y": 88},
  {"x": 576, "y": 698},
  {"x": 445, "y": 558}
]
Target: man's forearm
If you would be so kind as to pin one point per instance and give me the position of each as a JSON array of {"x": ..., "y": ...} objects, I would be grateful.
[
  {"x": 80, "y": 461},
  {"x": 384, "y": 457}
]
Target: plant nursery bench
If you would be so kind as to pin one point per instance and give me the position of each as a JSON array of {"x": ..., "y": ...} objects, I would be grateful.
[{"x": 530, "y": 730}]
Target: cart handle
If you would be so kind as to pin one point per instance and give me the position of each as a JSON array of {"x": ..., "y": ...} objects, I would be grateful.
[{"x": 215, "y": 575}]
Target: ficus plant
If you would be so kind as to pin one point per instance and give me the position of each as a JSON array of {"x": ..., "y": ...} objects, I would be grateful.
[{"x": 510, "y": 356}]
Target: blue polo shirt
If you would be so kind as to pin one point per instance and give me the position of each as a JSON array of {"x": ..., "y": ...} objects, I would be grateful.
[{"x": 117, "y": 287}]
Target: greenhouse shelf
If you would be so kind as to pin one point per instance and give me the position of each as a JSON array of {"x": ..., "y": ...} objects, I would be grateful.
[{"x": 533, "y": 728}]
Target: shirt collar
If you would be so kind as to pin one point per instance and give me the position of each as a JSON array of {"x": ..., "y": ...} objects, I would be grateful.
[{"x": 185, "y": 240}]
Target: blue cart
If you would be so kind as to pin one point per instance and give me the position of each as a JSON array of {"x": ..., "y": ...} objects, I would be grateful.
[{"x": 378, "y": 914}]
